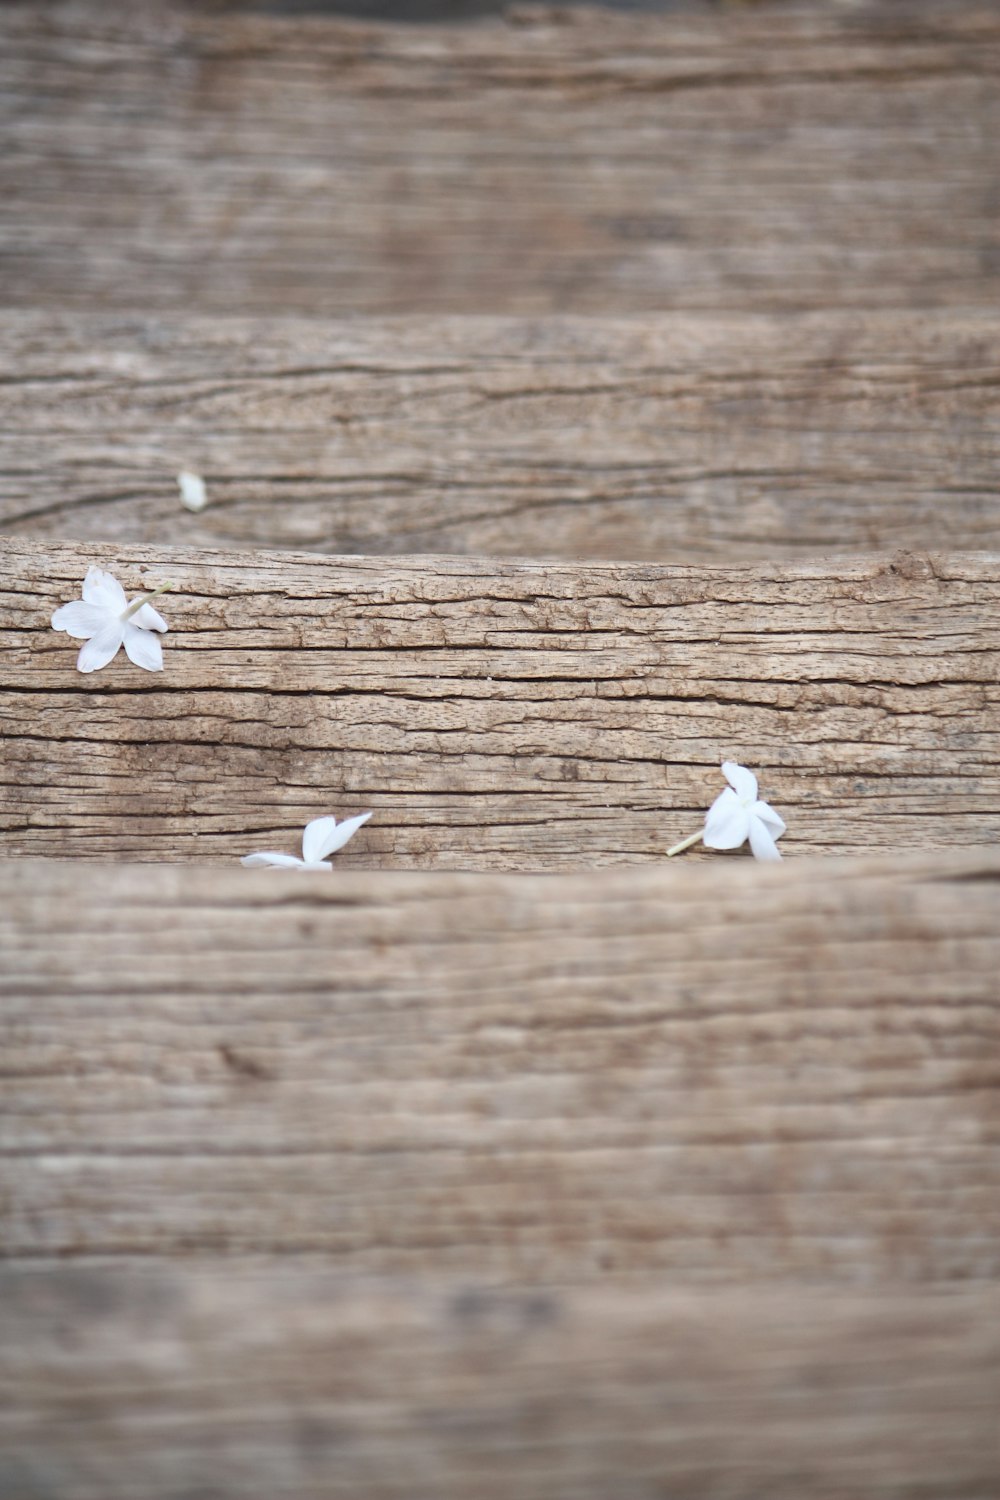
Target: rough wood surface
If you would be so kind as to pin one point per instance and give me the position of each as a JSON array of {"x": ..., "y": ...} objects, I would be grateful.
[
  {"x": 501, "y": 715},
  {"x": 181, "y": 1382},
  {"x": 681, "y": 438},
  {"x": 732, "y": 1074},
  {"x": 161, "y": 156}
]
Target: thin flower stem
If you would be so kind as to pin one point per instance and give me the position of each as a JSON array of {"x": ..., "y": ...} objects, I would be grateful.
[
  {"x": 686, "y": 843},
  {"x": 137, "y": 604}
]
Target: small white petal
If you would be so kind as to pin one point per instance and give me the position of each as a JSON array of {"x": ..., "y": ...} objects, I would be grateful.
[
  {"x": 771, "y": 820},
  {"x": 727, "y": 822},
  {"x": 105, "y": 590},
  {"x": 193, "y": 493},
  {"x": 143, "y": 648},
  {"x": 315, "y": 836},
  {"x": 272, "y": 861},
  {"x": 344, "y": 831},
  {"x": 80, "y": 620},
  {"x": 147, "y": 618},
  {"x": 742, "y": 781},
  {"x": 761, "y": 842},
  {"x": 101, "y": 648}
]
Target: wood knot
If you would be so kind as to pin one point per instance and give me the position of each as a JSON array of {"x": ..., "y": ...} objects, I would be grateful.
[{"x": 912, "y": 565}]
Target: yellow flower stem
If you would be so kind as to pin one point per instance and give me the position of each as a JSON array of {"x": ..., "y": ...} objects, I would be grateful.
[
  {"x": 685, "y": 843},
  {"x": 137, "y": 604}
]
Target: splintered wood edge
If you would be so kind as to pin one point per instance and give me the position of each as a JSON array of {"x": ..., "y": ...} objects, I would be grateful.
[{"x": 502, "y": 715}]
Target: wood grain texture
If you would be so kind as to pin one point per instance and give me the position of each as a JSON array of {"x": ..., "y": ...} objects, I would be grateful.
[
  {"x": 732, "y": 1074},
  {"x": 160, "y": 156},
  {"x": 501, "y": 715},
  {"x": 683, "y": 438},
  {"x": 181, "y": 1382}
]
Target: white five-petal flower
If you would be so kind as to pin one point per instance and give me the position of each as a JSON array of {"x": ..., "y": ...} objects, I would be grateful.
[
  {"x": 106, "y": 621},
  {"x": 322, "y": 836},
  {"x": 737, "y": 814}
]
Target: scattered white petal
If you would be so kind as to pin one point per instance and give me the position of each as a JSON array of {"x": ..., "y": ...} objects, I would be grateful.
[
  {"x": 340, "y": 835},
  {"x": 105, "y": 620},
  {"x": 194, "y": 496},
  {"x": 143, "y": 647},
  {"x": 727, "y": 822},
  {"x": 314, "y": 837},
  {"x": 104, "y": 590},
  {"x": 771, "y": 820},
  {"x": 737, "y": 815},
  {"x": 278, "y": 862},
  {"x": 148, "y": 618},
  {"x": 102, "y": 647},
  {"x": 761, "y": 841},
  {"x": 742, "y": 781},
  {"x": 79, "y": 620},
  {"x": 321, "y": 837}
]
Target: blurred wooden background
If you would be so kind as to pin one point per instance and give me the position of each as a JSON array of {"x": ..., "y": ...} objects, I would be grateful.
[{"x": 478, "y": 1168}]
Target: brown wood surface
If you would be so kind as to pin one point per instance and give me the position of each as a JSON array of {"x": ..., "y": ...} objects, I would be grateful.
[
  {"x": 165, "y": 156},
  {"x": 733, "y": 1074},
  {"x": 498, "y": 714},
  {"x": 680, "y": 438},
  {"x": 177, "y": 1382}
]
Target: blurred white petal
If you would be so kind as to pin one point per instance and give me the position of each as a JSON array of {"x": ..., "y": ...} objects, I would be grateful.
[{"x": 194, "y": 496}]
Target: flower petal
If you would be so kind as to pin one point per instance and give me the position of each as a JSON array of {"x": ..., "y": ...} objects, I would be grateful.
[
  {"x": 147, "y": 618},
  {"x": 761, "y": 842},
  {"x": 771, "y": 820},
  {"x": 105, "y": 590},
  {"x": 727, "y": 822},
  {"x": 143, "y": 648},
  {"x": 272, "y": 861},
  {"x": 101, "y": 648},
  {"x": 344, "y": 831},
  {"x": 742, "y": 781},
  {"x": 315, "y": 836},
  {"x": 80, "y": 620},
  {"x": 193, "y": 494}
]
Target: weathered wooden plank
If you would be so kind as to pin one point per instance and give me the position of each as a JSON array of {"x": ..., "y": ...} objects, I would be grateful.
[
  {"x": 248, "y": 1385},
  {"x": 712, "y": 1074},
  {"x": 170, "y": 156},
  {"x": 681, "y": 438},
  {"x": 501, "y": 715}
]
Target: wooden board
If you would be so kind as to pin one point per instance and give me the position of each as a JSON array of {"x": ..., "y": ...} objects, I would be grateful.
[
  {"x": 682, "y": 438},
  {"x": 168, "y": 156},
  {"x": 730, "y": 1074},
  {"x": 501, "y": 715},
  {"x": 247, "y": 1385}
]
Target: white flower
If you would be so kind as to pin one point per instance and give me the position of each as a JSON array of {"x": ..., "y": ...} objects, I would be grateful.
[
  {"x": 193, "y": 493},
  {"x": 106, "y": 621},
  {"x": 322, "y": 836},
  {"x": 737, "y": 815}
]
